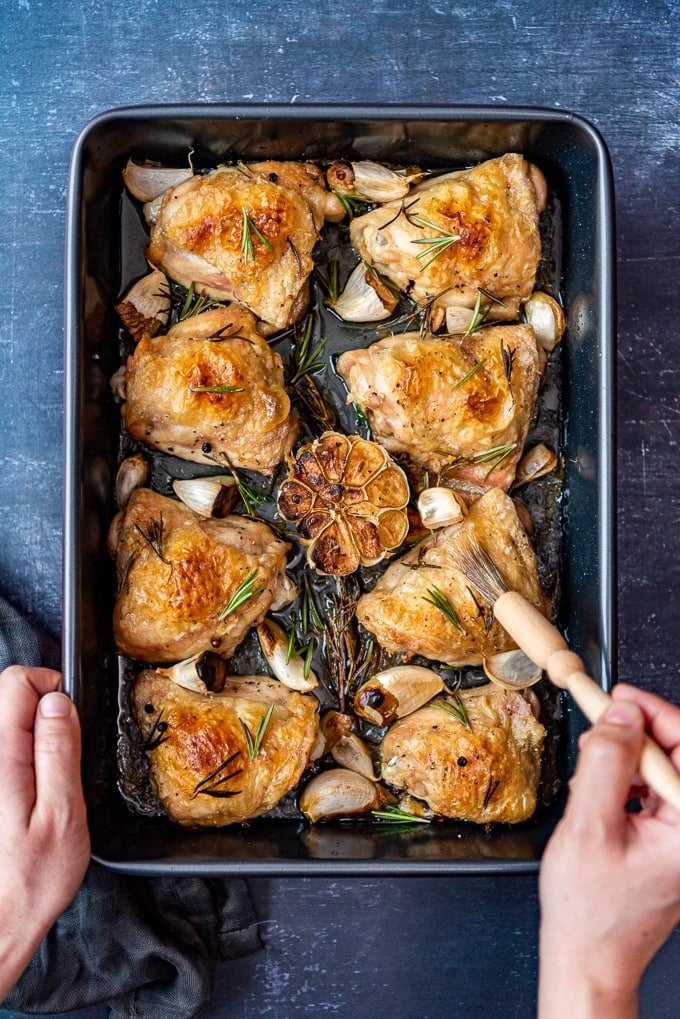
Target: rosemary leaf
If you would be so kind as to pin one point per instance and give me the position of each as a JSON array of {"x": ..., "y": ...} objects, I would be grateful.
[
  {"x": 254, "y": 742},
  {"x": 217, "y": 389},
  {"x": 247, "y": 231},
  {"x": 396, "y": 815},
  {"x": 243, "y": 593},
  {"x": 454, "y": 707},
  {"x": 433, "y": 247},
  {"x": 441, "y": 602},
  {"x": 473, "y": 371}
]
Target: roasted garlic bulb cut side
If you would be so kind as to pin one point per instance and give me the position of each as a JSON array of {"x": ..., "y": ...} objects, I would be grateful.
[{"x": 348, "y": 500}]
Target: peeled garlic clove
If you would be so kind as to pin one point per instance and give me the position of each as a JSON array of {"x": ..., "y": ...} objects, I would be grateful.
[
  {"x": 337, "y": 793},
  {"x": 396, "y": 692},
  {"x": 372, "y": 181},
  {"x": 535, "y": 463},
  {"x": 513, "y": 670},
  {"x": 274, "y": 644},
  {"x": 209, "y": 497},
  {"x": 346, "y": 747},
  {"x": 359, "y": 301},
  {"x": 145, "y": 181},
  {"x": 203, "y": 673},
  {"x": 132, "y": 473},
  {"x": 146, "y": 306},
  {"x": 440, "y": 507},
  {"x": 458, "y": 319},
  {"x": 546, "y": 318}
]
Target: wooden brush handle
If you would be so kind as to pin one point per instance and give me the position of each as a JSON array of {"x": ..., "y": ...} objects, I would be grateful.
[{"x": 546, "y": 646}]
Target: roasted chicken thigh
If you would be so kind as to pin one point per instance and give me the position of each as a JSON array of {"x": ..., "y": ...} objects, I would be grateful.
[
  {"x": 484, "y": 770},
  {"x": 399, "y": 610},
  {"x": 203, "y": 767},
  {"x": 456, "y": 402},
  {"x": 243, "y": 234},
  {"x": 178, "y": 573},
  {"x": 212, "y": 391},
  {"x": 460, "y": 232}
]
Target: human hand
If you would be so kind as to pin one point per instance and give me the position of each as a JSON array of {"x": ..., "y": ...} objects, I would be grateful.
[
  {"x": 610, "y": 880},
  {"x": 44, "y": 842}
]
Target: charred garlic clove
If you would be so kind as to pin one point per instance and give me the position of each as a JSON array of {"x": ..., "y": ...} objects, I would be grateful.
[
  {"x": 396, "y": 692},
  {"x": 145, "y": 309},
  {"x": 365, "y": 297},
  {"x": 346, "y": 747},
  {"x": 338, "y": 792},
  {"x": 440, "y": 507},
  {"x": 513, "y": 670},
  {"x": 209, "y": 497},
  {"x": 146, "y": 181},
  {"x": 370, "y": 181},
  {"x": 546, "y": 318},
  {"x": 535, "y": 463},
  {"x": 203, "y": 673},
  {"x": 132, "y": 473},
  {"x": 348, "y": 500},
  {"x": 292, "y": 670}
]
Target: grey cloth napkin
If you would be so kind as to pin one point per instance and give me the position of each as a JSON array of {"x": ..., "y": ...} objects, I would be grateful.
[{"x": 147, "y": 947}]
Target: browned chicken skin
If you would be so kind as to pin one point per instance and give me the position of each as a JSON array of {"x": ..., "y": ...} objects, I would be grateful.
[
  {"x": 242, "y": 235},
  {"x": 177, "y": 572},
  {"x": 492, "y": 210},
  {"x": 212, "y": 391},
  {"x": 487, "y": 770},
  {"x": 397, "y": 611},
  {"x": 198, "y": 749},
  {"x": 448, "y": 401}
]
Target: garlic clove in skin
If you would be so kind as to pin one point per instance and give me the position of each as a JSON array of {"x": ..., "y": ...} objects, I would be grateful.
[
  {"x": 132, "y": 473},
  {"x": 546, "y": 318},
  {"x": 370, "y": 181},
  {"x": 360, "y": 301},
  {"x": 147, "y": 181},
  {"x": 338, "y": 792},
  {"x": 209, "y": 497},
  {"x": 441, "y": 507},
  {"x": 291, "y": 672},
  {"x": 536, "y": 462},
  {"x": 346, "y": 747},
  {"x": 203, "y": 673},
  {"x": 145, "y": 309},
  {"x": 396, "y": 692}
]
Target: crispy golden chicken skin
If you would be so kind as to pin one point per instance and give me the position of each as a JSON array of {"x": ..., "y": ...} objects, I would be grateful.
[
  {"x": 239, "y": 235},
  {"x": 450, "y": 401},
  {"x": 458, "y": 232},
  {"x": 211, "y": 391},
  {"x": 399, "y": 610},
  {"x": 487, "y": 770},
  {"x": 198, "y": 749},
  {"x": 177, "y": 572}
]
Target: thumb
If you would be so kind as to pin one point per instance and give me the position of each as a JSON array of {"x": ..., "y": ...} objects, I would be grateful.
[
  {"x": 607, "y": 767},
  {"x": 56, "y": 747}
]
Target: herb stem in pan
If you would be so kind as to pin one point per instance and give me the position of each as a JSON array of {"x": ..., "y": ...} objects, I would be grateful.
[{"x": 243, "y": 593}]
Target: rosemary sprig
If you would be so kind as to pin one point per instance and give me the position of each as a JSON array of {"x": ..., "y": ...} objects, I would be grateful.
[
  {"x": 306, "y": 355},
  {"x": 154, "y": 537},
  {"x": 494, "y": 457},
  {"x": 473, "y": 371},
  {"x": 156, "y": 737},
  {"x": 433, "y": 247},
  {"x": 508, "y": 357},
  {"x": 243, "y": 593},
  {"x": 249, "y": 496},
  {"x": 208, "y": 786},
  {"x": 309, "y": 613},
  {"x": 330, "y": 281},
  {"x": 350, "y": 203},
  {"x": 254, "y": 742},
  {"x": 456, "y": 708},
  {"x": 478, "y": 315},
  {"x": 441, "y": 602},
  {"x": 395, "y": 815},
  {"x": 194, "y": 304},
  {"x": 303, "y": 651},
  {"x": 490, "y": 790},
  {"x": 217, "y": 389},
  {"x": 247, "y": 231}
]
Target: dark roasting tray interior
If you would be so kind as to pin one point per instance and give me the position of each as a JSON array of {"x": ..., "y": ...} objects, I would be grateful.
[{"x": 103, "y": 254}]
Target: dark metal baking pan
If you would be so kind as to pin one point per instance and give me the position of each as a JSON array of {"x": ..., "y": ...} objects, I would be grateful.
[{"x": 574, "y": 159}]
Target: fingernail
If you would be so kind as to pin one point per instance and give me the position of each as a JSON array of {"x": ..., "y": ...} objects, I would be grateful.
[
  {"x": 623, "y": 713},
  {"x": 55, "y": 705}
]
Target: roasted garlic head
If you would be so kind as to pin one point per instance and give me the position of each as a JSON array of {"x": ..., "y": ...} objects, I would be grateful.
[{"x": 348, "y": 499}]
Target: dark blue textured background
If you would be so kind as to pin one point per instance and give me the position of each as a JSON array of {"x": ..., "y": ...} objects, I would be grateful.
[{"x": 413, "y": 948}]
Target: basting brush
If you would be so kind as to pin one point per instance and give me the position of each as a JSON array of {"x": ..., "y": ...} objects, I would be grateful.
[{"x": 546, "y": 647}]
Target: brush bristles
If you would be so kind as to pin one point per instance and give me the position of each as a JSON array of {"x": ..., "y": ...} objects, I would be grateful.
[{"x": 480, "y": 570}]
